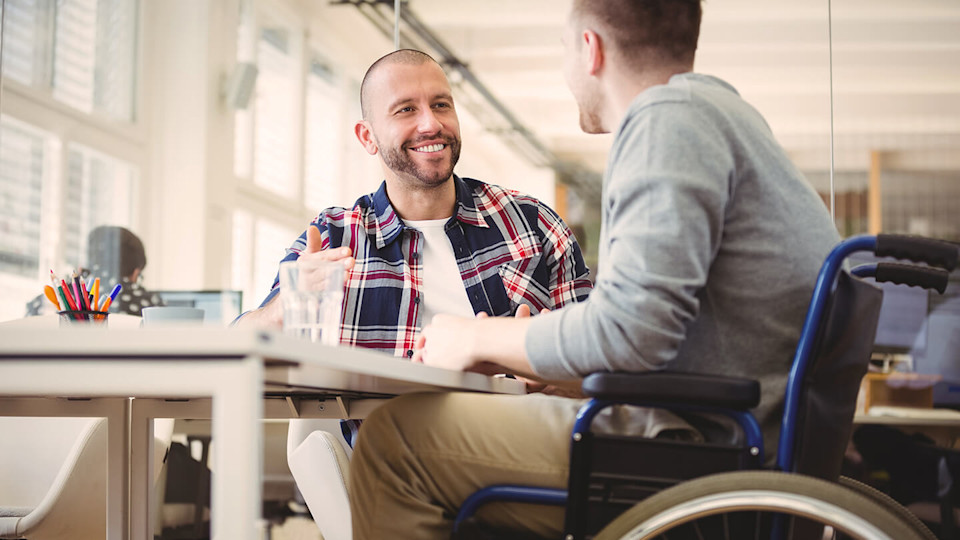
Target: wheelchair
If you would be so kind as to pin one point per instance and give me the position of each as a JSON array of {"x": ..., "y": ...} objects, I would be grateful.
[{"x": 703, "y": 491}]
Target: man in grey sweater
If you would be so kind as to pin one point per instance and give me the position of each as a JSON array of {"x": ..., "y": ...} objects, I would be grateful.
[{"x": 710, "y": 245}]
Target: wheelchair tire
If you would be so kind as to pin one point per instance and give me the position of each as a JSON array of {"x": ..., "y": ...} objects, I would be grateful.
[
  {"x": 888, "y": 503},
  {"x": 752, "y": 496}
]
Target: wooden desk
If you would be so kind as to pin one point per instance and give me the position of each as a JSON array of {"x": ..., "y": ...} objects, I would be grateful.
[
  {"x": 232, "y": 369},
  {"x": 945, "y": 431}
]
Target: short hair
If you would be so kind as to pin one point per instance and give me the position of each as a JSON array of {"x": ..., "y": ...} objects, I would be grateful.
[
  {"x": 114, "y": 251},
  {"x": 400, "y": 56},
  {"x": 666, "y": 30}
]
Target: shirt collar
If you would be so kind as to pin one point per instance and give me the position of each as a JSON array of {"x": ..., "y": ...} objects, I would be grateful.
[{"x": 389, "y": 225}]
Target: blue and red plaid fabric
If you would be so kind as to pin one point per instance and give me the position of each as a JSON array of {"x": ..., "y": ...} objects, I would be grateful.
[{"x": 511, "y": 249}]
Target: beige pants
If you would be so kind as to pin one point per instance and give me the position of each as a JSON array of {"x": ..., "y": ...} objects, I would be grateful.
[{"x": 419, "y": 456}]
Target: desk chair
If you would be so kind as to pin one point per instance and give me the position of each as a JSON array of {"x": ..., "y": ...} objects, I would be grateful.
[
  {"x": 607, "y": 478},
  {"x": 53, "y": 478},
  {"x": 320, "y": 465}
]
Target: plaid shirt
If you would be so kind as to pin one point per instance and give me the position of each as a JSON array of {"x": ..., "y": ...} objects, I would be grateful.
[{"x": 511, "y": 249}]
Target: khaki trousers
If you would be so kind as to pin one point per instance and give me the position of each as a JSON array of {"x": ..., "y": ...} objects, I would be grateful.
[{"x": 420, "y": 455}]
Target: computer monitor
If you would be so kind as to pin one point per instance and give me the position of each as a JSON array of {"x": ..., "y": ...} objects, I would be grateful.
[
  {"x": 220, "y": 307},
  {"x": 925, "y": 325},
  {"x": 903, "y": 314}
]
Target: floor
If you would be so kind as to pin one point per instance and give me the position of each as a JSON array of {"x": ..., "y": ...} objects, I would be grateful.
[{"x": 296, "y": 528}]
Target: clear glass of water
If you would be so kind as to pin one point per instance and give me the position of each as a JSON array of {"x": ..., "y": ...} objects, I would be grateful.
[{"x": 311, "y": 293}]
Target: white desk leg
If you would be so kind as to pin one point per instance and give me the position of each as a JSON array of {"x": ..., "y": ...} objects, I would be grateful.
[
  {"x": 237, "y": 452},
  {"x": 118, "y": 421},
  {"x": 141, "y": 471}
]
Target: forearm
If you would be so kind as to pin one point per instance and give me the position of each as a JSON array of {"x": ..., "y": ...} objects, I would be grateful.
[
  {"x": 501, "y": 341},
  {"x": 268, "y": 316}
]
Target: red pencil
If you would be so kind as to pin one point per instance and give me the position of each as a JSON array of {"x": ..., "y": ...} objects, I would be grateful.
[{"x": 66, "y": 292}]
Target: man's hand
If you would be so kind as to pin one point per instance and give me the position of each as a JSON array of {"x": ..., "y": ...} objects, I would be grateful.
[
  {"x": 488, "y": 345},
  {"x": 314, "y": 250},
  {"x": 447, "y": 342},
  {"x": 272, "y": 313}
]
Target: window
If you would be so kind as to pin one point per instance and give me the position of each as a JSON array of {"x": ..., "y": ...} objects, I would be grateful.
[
  {"x": 23, "y": 29},
  {"x": 258, "y": 246},
  {"x": 24, "y": 157},
  {"x": 276, "y": 119},
  {"x": 99, "y": 191},
  {"x": 322, "y": 136},
  {"x": 79, "y": 52},
  {"x": 54, "y": 186}
]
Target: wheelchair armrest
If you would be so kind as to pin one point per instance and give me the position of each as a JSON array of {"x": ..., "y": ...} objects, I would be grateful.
[{"x": 674, "y": 388}]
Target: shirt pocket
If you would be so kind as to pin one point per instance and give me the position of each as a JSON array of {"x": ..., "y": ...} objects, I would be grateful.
[{"x": 526, "y": 282}]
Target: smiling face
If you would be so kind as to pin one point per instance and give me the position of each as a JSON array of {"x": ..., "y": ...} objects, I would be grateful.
[{"x": 412, "y": 124}]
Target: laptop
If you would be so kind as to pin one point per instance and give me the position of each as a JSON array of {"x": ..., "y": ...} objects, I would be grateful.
[{"x": 219, "y": 307}]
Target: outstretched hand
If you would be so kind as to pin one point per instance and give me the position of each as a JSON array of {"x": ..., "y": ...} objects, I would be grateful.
[{"x": 315, "y": 251}]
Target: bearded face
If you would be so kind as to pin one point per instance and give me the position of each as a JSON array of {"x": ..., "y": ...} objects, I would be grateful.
[{"x": 427, "y": 159}]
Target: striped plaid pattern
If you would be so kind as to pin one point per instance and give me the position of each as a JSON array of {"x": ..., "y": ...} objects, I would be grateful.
[{"x": 510, "y": 248}]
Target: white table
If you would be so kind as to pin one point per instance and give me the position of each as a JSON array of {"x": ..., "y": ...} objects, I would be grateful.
[{"x": 233, "y": 369}]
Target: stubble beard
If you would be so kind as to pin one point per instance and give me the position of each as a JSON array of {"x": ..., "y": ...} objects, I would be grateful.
[{"x": 400, "y": 162}]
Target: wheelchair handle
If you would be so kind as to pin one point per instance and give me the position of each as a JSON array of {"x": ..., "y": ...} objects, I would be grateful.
[
  {"x": 914, "y": 276},
  {"x": 918, "y": 249}
]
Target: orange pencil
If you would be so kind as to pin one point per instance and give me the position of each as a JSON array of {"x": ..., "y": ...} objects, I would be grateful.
[{"x": 96, "y": 292}]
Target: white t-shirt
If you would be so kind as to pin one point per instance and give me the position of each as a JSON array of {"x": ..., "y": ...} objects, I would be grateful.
[{"x": 443, "y": 290}]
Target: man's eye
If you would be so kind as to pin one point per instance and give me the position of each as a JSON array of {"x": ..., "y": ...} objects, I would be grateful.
[
  {"x": 441, "y": 105},
  {"x": 405, "y": 110}
]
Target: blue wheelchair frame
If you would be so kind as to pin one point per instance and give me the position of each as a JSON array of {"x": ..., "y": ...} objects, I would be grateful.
[{"x": 911, "y": 248}]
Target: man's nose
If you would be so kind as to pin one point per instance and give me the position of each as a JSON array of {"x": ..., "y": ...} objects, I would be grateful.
[{"x": 428, "y": 122}]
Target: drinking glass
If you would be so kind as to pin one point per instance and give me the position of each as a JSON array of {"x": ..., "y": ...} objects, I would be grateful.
[{"x": 311, "y": 293}]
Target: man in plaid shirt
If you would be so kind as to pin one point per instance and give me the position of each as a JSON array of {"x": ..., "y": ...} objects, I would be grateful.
[{"x": 428, "y": 241}]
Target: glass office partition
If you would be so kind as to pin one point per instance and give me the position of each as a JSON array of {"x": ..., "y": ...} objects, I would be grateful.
[{"x": 896, "y": 87}]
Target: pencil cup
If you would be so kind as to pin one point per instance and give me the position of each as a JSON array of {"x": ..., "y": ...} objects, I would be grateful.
[{"x": 83, "y": 317}]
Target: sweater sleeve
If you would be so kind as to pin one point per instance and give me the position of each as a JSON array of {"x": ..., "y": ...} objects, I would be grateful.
[{"x": 667, "y": 186}]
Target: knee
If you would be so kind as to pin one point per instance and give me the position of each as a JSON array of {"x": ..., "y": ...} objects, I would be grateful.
[{"x": 387, "y": 424}]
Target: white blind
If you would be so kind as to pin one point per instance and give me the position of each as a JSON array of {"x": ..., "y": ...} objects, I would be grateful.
[
  {"x": 275, "y": 118},
  {"x": 322, "y": 137},
  {"x": 22, "y": 29},
  {"x": 258, "y": 246},
  {"x": 83, "y": 52},
  {"x": 115, "y": 79},
  {"x": 270, "y": 243},
  {"x": 242, "y": 264},
  {"x": 99, "y": 191},
  {"x": 75, "y": 53},
  {"x": 22, "y": 159}
]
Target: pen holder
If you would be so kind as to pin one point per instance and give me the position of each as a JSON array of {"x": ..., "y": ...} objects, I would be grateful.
[{"x": 88, "y": 317}]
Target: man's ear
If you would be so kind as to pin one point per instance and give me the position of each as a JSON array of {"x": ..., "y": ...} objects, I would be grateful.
[
  {"x": 365, "y": 135},
  {"x": 592, "y": 47}
]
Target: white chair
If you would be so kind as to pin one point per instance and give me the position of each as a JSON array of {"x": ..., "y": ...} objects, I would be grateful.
[
  {"x": 321, "y": 467},
  {"x": 53, "y": 478}
]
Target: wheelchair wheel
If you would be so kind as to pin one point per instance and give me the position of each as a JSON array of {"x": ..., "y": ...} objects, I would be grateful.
[
  {"x": 889, "y": 504},
  {"x": 750, "y": 504}
]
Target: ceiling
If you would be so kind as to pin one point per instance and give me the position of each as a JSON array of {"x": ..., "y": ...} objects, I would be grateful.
[{"x": 896, "y": 72}]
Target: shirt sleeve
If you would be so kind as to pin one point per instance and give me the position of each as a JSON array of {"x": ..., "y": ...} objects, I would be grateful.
[
  {"x": 664, "y": 200},
  {"x": 568, "y": 274}
]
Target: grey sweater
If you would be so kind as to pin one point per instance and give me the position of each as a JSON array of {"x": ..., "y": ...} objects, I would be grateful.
[{"x": 709, "y": 248}]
